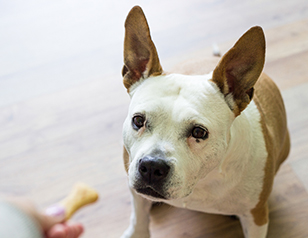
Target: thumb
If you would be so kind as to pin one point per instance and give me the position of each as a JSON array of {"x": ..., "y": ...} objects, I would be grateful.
[{"x": 52, "y": 216}]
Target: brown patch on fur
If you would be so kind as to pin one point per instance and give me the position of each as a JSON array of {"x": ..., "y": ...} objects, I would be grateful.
[
  {"x": 240, "y": 68},
  {"x": 126, "y": 159},
  {"x": 140, "y": 55},
  {"x": 274, "y": 126}
]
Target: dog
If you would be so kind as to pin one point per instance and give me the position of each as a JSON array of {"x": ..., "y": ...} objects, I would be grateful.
[{"x": 209, "y": 142}]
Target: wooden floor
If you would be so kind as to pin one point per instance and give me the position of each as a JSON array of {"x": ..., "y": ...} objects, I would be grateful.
[{"x": 62, "y": 102}]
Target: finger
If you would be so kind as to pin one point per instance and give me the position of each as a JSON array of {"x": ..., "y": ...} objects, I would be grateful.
[
  {"x": 75, "y": 230},
  {"x": 71, "y": 230},
  {"x": 52, "y": 216},
  {"x": 57, "y": 231}
]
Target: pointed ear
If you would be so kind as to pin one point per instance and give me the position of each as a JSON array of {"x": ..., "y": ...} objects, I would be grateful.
[
  {"x": 140, "y": 55},
  {"x": 240, "y": 68}
]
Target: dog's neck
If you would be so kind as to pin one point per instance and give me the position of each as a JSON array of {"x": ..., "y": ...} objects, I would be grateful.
[{"x": 244, "y": 140}]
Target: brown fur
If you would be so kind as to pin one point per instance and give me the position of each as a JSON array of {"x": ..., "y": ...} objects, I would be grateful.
[
  {"x": 240, "y": 68},
  {"x": 126, "y": 159},
  {"x": 274, "y": 125},
  {"x": 140, "y": 54}
]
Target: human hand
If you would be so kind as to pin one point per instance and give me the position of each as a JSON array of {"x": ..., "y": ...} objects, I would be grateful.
[
  {"x": 60, "y": 230},
  {"x": 50, "y": 221}
]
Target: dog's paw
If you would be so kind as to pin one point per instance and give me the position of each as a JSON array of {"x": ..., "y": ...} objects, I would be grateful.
[{"x": 132, "y": 233}]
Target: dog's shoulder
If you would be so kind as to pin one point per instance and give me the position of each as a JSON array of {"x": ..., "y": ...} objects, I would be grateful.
[{"x": 270, "y": 104}]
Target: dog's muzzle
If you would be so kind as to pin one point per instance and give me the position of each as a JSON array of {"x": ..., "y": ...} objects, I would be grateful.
[{"x": 152, "y": 176}]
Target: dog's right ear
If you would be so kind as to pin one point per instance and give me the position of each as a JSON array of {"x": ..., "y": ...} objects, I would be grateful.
[{"x": 140, "y": 55}]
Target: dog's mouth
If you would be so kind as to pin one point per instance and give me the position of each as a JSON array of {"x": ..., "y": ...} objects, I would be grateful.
[{"x": 150, "y": 192}]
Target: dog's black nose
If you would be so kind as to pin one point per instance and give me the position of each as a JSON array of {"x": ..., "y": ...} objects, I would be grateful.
[{"x": 152, "y": 169}]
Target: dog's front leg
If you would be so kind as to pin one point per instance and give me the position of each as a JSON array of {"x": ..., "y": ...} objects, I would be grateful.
[
  {"x": 253, "y": 229},
  {"x": 140, "y": 217}
]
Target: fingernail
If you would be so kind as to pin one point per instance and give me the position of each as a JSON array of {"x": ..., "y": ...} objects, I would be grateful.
[{"x": 55, "y": 211}]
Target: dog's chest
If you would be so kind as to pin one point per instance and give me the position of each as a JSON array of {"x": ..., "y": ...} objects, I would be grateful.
[{"x": 218, "y": 198}]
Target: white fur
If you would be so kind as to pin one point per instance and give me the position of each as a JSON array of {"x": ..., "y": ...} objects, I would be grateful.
[
  {"x": 139, "y": 220},
  {"x": 222, "y": 174},
  {"x": 234, "y": 186}
]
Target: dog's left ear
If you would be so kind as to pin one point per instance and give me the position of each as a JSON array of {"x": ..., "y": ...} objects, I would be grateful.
[
  {"x": 140, "y": 55},
  {"x": 240, "y": 68}
]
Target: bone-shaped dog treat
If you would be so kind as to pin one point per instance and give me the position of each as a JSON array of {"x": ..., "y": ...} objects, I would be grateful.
[{"x": 80, "y": 196}]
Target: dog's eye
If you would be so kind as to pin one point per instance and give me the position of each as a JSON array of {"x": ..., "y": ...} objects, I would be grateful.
[
  {"x": 199, "y": 133},
  {"x": 138, "y": 122}
]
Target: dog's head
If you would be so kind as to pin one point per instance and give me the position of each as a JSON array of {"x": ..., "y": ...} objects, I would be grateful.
[{"x": 178, "y": 126}]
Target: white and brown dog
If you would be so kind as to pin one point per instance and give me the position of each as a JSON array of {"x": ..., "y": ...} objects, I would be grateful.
[{"x": 210, "y": 142}]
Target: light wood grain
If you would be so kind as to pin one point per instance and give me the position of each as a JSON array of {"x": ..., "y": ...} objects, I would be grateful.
[{"x": 63, "y": 103}]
